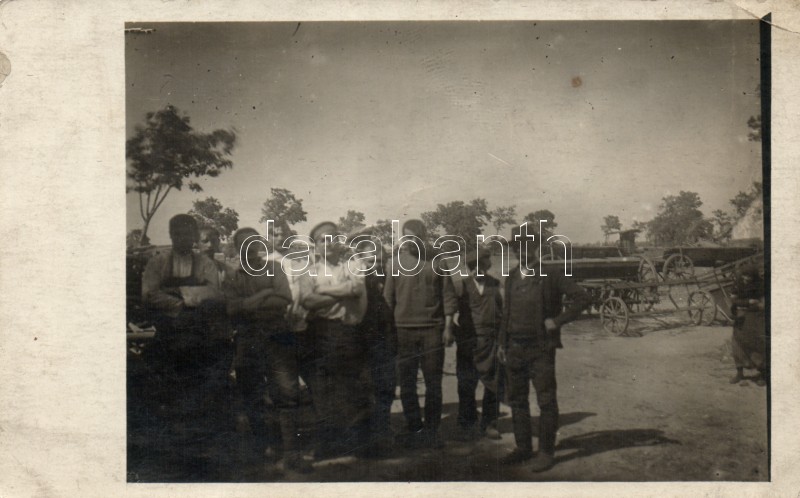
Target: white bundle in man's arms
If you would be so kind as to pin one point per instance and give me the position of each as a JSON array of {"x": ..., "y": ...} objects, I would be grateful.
[{"x": 195, "y": 294}]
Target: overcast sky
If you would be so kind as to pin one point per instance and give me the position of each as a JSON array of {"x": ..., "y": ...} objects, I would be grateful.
[{"x": 583, "y": 118}]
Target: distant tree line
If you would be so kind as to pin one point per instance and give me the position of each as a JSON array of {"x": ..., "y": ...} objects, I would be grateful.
[
  {"x": 680, "y": 221},
  {"x": 166, "y": 154}
]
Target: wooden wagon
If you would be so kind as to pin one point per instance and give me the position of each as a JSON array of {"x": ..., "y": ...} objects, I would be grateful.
[{"x": 708, "y": 295}]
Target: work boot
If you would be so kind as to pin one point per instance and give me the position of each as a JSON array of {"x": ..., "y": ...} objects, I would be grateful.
[
  {"x": 519, "y": 455},
  {"x": 738, "y": 377},
  {"x": 491, "y": 432},
  {"x": 542, "y": 462}
]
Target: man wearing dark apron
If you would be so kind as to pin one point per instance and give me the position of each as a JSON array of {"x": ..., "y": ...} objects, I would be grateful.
[{"x": 191, "y": 353}]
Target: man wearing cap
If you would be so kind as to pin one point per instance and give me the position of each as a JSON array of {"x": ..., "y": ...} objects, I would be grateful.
[
  {"x": 533, "y": 314},
  {"x": 265, "y": 347},
  {"x": 480, "y": 307},
  {"x": 423, "y": 304},
  {"x": 336, "y": 298}
]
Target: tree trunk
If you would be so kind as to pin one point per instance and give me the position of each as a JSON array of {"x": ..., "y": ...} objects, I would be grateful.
[{"x": 143, "y": 238}]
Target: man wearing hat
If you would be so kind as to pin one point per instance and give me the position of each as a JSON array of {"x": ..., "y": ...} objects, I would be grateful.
[
  {"x": 265, "y": 348},
  {"x": 423, "y": 304},
  {"x": 336, "y": 298},
  {"x": 480, "y": 306},
  {"x": 533, "y": 314}
]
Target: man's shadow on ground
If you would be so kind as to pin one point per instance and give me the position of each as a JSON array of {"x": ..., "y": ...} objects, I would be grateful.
[
  {"x": 505, "y": 425},
  {"x": 596, "y": 442}
]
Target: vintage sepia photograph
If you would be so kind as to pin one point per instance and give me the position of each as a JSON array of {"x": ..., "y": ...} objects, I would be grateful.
[{"x": 429, "y": 251}]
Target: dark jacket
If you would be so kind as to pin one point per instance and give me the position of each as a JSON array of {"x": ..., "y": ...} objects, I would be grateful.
[
  {"x": 478, "y": 312},
  {"x": 554, "y": 288}
]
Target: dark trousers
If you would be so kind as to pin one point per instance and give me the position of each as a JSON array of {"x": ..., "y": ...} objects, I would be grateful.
[
  {"x": 382, "y": 375},
  {"x": 342, "y": 398},
  {"x": 525, "y": 363},
  {"x": 749, "y": 340},
  {"x": 190, "y": 375},
  {"x": 266, "y": 362},
  {"x": 420, "y": 348},
  {"x": 468, "y": 376},
  {"x": 306, "y": 354},
  {"x": 190, "y": 389}
]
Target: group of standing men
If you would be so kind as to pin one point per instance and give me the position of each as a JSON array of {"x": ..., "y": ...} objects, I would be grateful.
[{"x": 351, "y": 338}]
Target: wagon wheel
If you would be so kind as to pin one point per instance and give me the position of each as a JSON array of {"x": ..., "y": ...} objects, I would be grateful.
[
  {"x": 648, "y": 273},
  {"x": 614, "y": 316},
  {"x": 708, "y": 308},
  {"x": 678, "y": 267}
]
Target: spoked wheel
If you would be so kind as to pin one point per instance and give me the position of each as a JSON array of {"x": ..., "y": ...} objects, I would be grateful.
[
  {"x": 678, "y": 267},
  {"x": 705, "y": 308},
  {"x": 614, "y": 316},
  {"x": 648, "y": 296}
]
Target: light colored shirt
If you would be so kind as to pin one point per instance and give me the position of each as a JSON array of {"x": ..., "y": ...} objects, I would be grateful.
[
  {"x": 182, "y": 265},
  {"x": 296, "y": 315},
  {"x": 350, "y": 310}
]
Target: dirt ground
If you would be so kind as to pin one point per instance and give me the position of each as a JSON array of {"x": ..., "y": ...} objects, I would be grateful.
[{"x": 653, "y": 407}]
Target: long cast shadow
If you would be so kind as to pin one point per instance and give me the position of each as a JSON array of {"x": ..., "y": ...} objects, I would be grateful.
[
  {"x": 505, "y": 424},
  {"x": 596, "y": 442}
]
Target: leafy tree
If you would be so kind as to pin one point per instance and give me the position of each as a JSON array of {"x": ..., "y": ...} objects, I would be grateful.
[
  {"x": 284, "y": 208},
  {"x": 741, "y": 203},
  {"x": 502, "y": 216},
  {"x": 353, "y": 220},
  {"x": 610, "y": 224},
  {"x": 458, "y": 218},
  {"x": 723, "y": 225},
  {"x": 209, "y": 213},
  {"x": 166, "y": 152},
  {"x": 543, "y": 214},
  {"x": 680, "y": 220},
  {"x": 134, "y": 239},
  {"x": 383, "y": 230}
]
